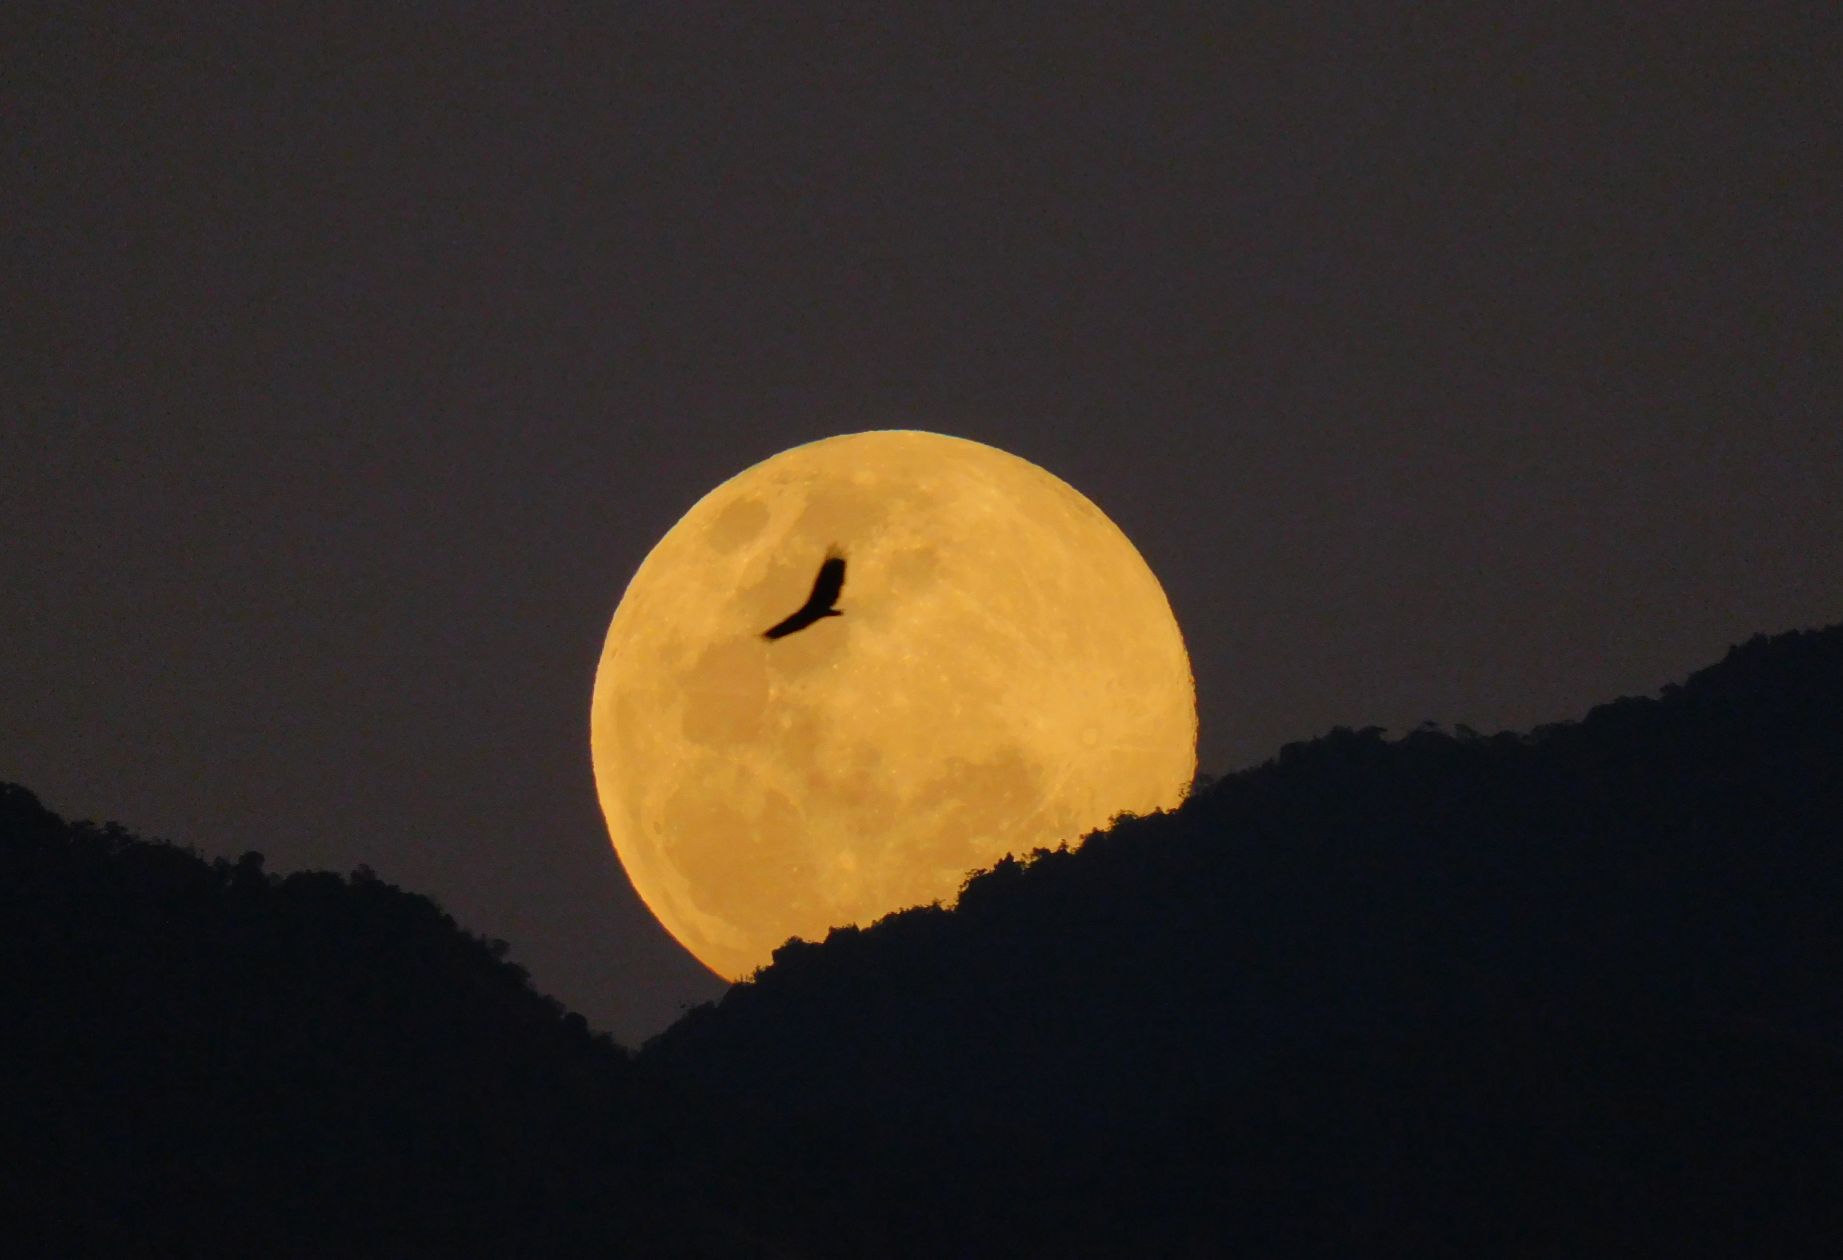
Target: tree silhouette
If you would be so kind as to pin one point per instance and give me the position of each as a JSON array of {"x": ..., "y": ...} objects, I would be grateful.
[{"x": 1564, "y": 993}]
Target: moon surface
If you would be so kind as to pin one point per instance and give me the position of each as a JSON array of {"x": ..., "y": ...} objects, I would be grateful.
[{"x": 1006, "y": 675}]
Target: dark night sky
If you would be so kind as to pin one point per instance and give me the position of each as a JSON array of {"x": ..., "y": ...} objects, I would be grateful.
[{"x": 1470, "y": 363}]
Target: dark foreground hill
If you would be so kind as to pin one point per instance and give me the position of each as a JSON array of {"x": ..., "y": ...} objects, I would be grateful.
[
  {"x": 201, "y": 1059},
  {"x": 1571, "y": 993},
  {"x": 1579, "y": 992}
]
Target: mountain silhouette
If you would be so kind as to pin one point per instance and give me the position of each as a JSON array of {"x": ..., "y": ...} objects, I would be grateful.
[
  {"x": 204, "y": 1059},
  {"x": 1571, "y": 992},
  {"x": 1567, "y": 993}
]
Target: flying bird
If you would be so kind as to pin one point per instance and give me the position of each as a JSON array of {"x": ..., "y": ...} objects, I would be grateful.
[{"x": 826, "y": 586}]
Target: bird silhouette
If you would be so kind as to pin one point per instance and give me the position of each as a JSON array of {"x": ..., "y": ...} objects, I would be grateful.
[{"x": 826, "y": 586}]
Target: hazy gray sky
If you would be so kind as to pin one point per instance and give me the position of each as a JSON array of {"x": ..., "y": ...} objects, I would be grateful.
[{"x": 1467, "y": 363}]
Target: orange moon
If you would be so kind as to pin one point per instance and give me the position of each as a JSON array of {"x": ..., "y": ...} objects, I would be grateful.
[{"x": 1006, "y": 674}]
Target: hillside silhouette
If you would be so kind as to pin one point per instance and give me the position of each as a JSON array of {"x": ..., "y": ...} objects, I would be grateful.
[
  {"x": 205, "y": 1059},
  {"x": 1574, "y": 992}
]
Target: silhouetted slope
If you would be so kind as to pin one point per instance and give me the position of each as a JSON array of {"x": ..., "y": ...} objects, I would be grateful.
[
  {"x": 1571, "y": 993},
  {"x": 201, "y": 1059}
]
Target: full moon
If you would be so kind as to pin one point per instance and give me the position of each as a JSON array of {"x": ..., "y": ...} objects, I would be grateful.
[{"x": 1005, "y": 674}]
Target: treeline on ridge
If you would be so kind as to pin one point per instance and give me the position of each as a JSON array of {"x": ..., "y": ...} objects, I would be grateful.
[
  {"x": 203, "y": 1058},
  {"x": 1573, "y": 992}
]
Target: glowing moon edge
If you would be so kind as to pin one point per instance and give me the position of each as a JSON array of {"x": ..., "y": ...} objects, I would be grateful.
[{"x": 1007, "y": 674}]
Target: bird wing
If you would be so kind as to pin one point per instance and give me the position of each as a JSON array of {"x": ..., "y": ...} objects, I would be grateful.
[
  {"x": 828, "y": 584},
  {"x": 781, "y": 629}
]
